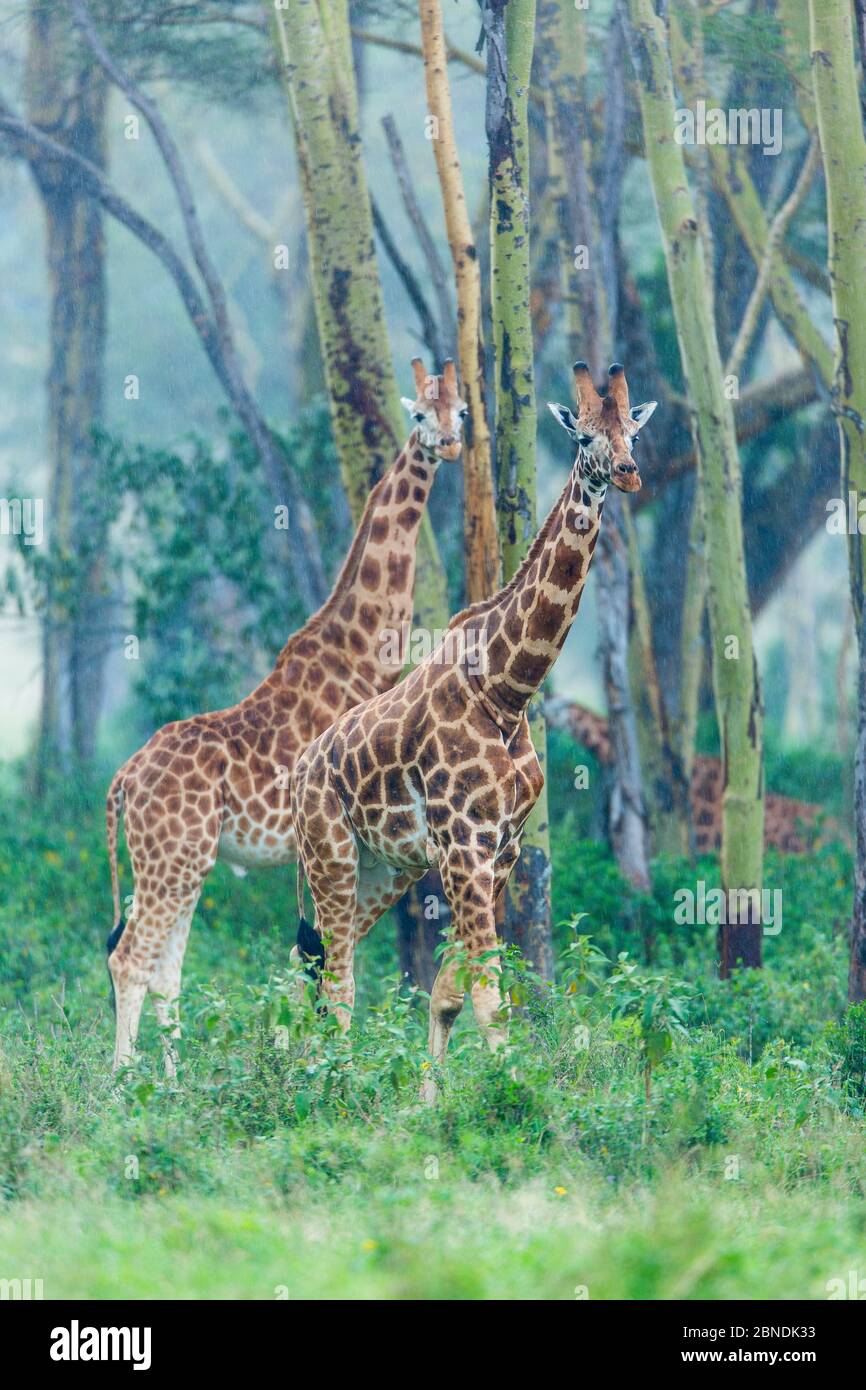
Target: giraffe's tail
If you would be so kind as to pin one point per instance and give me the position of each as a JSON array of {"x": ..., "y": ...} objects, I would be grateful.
[
  {"x": 113, "y": 807},
  {"x": 308, "y": 945}
]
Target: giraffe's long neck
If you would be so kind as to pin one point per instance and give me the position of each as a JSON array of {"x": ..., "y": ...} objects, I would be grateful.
[
  {"x": 524, "y": 627},
  {"x": 370, "y": 605}
]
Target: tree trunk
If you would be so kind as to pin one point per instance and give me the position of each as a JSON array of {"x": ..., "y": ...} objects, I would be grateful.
[
  {"x": 510, "y": 31},
  {"x": 664, "y": 781},
  {"x": 423, "y": 917},
  {"x": 692, "y": 656},
  {"x": 313, "y": 44},
  {"x": 586, "y": 255},
  {"x": 627, "y": 812},
  {"x": 77, "y": 601},
  {"x": 843, "y": 149},
  {"x": 735, "y": 675},
  {"x": 734, "y": 182},
  {"x": 562, "y": 40},
  {"x": 480, "y": 541}
]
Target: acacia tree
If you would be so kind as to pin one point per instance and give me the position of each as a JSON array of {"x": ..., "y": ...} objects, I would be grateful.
[
  {"x": 843, "y": 148},
  {"x": 66, "y": 94},
  {"x": 509, "y": 29},
  {"x": 735, "y": 676},
  {"x": 585, "y": 196},
  {"x": 313, "y": 44},
  {"x": 67, "y": 162},
  {"x": 481, "y": 546}
]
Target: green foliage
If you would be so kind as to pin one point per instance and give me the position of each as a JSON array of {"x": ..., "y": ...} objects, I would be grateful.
[
  {"x": 207, "y": 596},
  {"x": 288, "y": 1155},
  {"x": 187, "y": 529},
  {"x": 157, "y": 40},
  {"x": 847, "y": 1041},
  {"x": 574, "y": 809},
  {"x": 749, "y": 44},
  {"x": 655, "y": 1005}
]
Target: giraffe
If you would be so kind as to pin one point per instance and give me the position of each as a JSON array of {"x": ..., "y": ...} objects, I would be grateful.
[
  {"x": 217, "y": 785},
  {"x": 441, "y": 770},
  {"x": 789, "y": 826}
]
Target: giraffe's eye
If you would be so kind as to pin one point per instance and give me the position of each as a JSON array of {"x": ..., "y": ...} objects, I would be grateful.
[
  {"x": 419, "y": 416},
  {"x": 584, "y": 439},
  {"x": 464, "y": 413}
]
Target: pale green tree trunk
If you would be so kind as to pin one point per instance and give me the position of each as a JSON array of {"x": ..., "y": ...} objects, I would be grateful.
[
  {"x": 562, "y": 37},
  {"x": 480, "y": 541},
  {"x": 586, "y": 237},
  {"x": 733, "y": 181},
  {"x": 843, "y": 149},
  {"x": 510, "y": 34},
  {"x": 735, "y": 675},
  {"x": 313, "y": 44}
]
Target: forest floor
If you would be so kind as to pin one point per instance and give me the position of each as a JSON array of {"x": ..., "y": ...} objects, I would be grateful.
[{"x": 288, "y": 1163}]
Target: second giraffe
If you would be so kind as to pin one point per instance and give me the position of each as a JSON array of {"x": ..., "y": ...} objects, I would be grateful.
[{"x": 441, "y": 769}]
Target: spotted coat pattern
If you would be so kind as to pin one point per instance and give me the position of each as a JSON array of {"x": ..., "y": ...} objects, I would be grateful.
[
  {"x": 217, "y": 785},
  {"x": 441, "y": 770}
]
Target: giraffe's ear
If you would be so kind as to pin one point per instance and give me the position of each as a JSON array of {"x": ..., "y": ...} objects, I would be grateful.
[
  {"x": 641, "y": 413},
  {"x": 407, "y": 404},
  {"x": 565, "y": 418}
]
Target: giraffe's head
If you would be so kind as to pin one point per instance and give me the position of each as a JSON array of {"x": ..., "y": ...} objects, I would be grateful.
[
  {"x": 438, "y": 410},
  {"x": 605, "y": 429}
]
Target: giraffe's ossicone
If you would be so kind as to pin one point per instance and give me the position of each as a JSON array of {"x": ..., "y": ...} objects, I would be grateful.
[
  {"x": 217, "y": 785},
  {"x": 441, "y": 769}
]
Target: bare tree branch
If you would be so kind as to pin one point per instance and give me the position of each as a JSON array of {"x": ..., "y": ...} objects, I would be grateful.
[
  {"x": 249, "y": 216},
  {"x": 34, "y": 144},
  {"x": 454, "y": 54},
  {"x": 775, "y": 236},
  {"x": 435, "y": 268},
  {"x": 809, "y": 270},
  {"x": 305, "y": 557},
  {"x": 429, "y": 328},
  {"x": 760, "y": 406}
]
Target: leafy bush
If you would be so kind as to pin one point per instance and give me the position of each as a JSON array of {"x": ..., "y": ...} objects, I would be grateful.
[{"x": 279, "y": 1124}]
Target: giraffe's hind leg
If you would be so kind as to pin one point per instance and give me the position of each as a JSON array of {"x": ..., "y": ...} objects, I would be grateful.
[
  {"x": 330, "y": 858},
  {"x": 149, "y": 955},
  {"x": 164, "y": 983},
  {"x": 148, "y": 959}
]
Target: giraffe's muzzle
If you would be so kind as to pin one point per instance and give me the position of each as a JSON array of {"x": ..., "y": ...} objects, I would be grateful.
[
  {"x": 626, "y": 477},
  {"x": 447, "y": 447}
]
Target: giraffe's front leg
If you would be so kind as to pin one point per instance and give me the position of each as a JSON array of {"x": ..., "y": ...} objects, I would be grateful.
[
  {"x": 469, "y": 881},
  {"x": 330, "y": 858},
  {"x": 446, "y": 1001},
  {"x": 338, "y": 984},
  {"x": 334, "y": 898}
]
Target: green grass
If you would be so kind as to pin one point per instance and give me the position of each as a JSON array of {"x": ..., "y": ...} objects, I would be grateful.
[{"x": 288, "y": 1162}]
